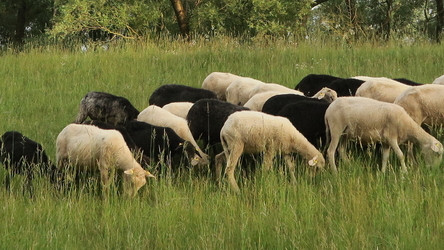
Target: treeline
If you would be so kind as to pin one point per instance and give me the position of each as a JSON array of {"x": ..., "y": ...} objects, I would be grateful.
[{"x": 22, "y": 21}]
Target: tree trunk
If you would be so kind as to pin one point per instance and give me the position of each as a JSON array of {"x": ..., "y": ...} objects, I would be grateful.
[
  {"x": 181, "y": 16},
  {"x": 440, "y": 19},
  {"x": 20, "y": 24}
]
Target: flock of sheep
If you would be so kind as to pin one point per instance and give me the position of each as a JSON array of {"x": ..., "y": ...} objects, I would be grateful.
[{"x": 242, "y": 114}]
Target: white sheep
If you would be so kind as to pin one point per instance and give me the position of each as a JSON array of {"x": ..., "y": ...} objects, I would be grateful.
[
  {"x": 424, "y": 103},
  {"x": 255, "y": 132},
  {"x": 179, "y": 108},
  {"x": 439, "y": 80},
  {"x": 257, "y": 101},
  {"x": 267, "y": 87},
  {"x": 376, "y": 121},
  {"x": 381, "y": 88},
  {"x": 218, "y": 82},
  {"x": 326, "y": 94},
  {"x": 158, "y": 116},
  {"x": 90, "y": 148},
  {"x": 238, "y": 92}
]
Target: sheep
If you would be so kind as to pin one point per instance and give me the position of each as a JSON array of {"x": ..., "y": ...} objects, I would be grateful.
[
  {"x": 307, "y": 116},
  {"x": 106, "y": 107},
  {"x": 275, "y": 103},
  {"x": 408, "y": 82},
  {"x": 206, "y": 118},
  {"x": 255, "y": 132},
  {"x": 375, "y": 121},
  {"x": 90, "y": 149},
  {"x": 345, "y": 87},
  {"x": 381, "y": 89},
  {"x": 257, "y": 101},
  {"x": 312, "y": 83},
  {"x": 21, "y": 155},
  {"x": 238, "y": 92},
  {"x": 178, "y": 93},
  {"x": 268, "y": 87},
  {"x": 439, "y": 80},
  {"x": 157, "y": 116},
  {"x": 179, "y": 108},
  {"x": 218, "y": 82},
  {"x": 424, "y": 103},
  {"x": 153, "y": 142}
]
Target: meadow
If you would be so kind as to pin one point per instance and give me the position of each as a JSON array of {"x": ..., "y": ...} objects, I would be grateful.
[{"x": 40, "y": 91}]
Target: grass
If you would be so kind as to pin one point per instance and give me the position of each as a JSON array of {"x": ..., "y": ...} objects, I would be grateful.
[{"x": 360, "y": 208}]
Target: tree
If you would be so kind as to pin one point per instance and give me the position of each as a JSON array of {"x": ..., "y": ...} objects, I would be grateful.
[
  {"x": 439, "y": 19},
  {"x": 182, "y": 19}
]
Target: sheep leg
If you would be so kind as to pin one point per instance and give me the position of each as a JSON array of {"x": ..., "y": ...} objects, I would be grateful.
[
  {"x": 83, "y": 114},
  {"x": 104, "y": 177},
  {"x": 385, "y": 156},
  {"x": 290, "y": 165},
  {"x": 332, "y": 150},
  {"x": 218, "y": 162},
  {"x": 268, "y": 160},
  {"x": 8, "y": 181},
  {"x": 234, "y": 154},
  {"x": 398, "y": 152}
]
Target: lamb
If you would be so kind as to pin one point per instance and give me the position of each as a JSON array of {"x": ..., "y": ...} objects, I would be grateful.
[
  {"x": 206, "y": 118},
  {"x": 90, "y": 149},
  {"x": 269, "y": 87},
  {"x": 21, "y": 155},
  {"x": 157, "y": 116},
  {"x": 381, "y": 89},
  {"x": 312, "y": 83},
  {"x": 179, "y": 108},
  {"x": 218, "y": 82},
  {"x": 238, "y": 92},
  {"x": 178, "y": 93},
  {"x": 439, "y": 80},
  {"x": 107, "y": 108},
  {"x": 424, "y": 103},
  {"x": 255, "y": 132},
  {"x": 375, "y": 121},
  {"x": 153, "y": 142}
]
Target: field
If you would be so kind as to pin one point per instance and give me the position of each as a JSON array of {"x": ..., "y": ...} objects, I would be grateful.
[{"x": 359, "y": 208}]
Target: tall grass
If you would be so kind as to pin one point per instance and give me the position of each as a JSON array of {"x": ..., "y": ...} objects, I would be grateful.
[{"x": 40, "y": 91}]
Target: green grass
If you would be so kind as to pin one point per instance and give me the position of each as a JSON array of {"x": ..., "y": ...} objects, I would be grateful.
[{"x": 40, "y": 91}]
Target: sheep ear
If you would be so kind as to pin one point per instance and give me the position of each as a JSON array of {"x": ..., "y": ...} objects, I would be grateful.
[
  {"x": 437, "y": 147},
  {"x": 129, "y": 172},
  {"x": 148, "y": 174},
  {"x": 313, "y": 161}
]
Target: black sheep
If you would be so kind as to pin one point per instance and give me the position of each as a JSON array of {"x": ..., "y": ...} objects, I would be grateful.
[
  {"x": 308, "y": 118},
  {"x": 206, "y": 118},
  {"x": 107, "y": 108},
  {"x": 21, "y": 155},
  {"x": 274, "y": 104},
  {"x": 407, "y": 81},
  {"x": 178, "y": 93},
  {"x": 312, "y": 83},
  {"x": 345, "y": 87}
]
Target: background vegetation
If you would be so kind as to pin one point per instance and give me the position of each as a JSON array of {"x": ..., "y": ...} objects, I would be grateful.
[
  {"x": 22, "y": 21},
  {"x": 40, "y": 91}
]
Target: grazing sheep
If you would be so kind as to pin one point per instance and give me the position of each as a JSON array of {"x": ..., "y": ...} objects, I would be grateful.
[
  {"x": 257, "y": 101},
  {"x": 376, "y": 121},
  {"x": 345, "y": 87},
  {"x": 272, "y": 87},
  {"x": 312, "y": 83},
  {"x": 90, "y": 149},
  {"x": 326, "y": 94},
  {"x": 155, "y": 143},
  {"x": 179, "y": 108},
  {"x": 21, "y": 155},
  {"x": 307, "y": 116},
  {"x": 408, "y": 82},
  {"x": 218, "y": 82},
  {"x": 256, "y": 132},
  {"x": 381, "y": 89},
  {"x": 206, "y": 118},
  {"x": 157, "y": 116},
  {"x": 106, "y": 107},
  {"x": 238, "y": 92},
  {"x": 178, "y": 93},
  {"x": 439, "y": 80},
  {"x": 424, "y": 103}
]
